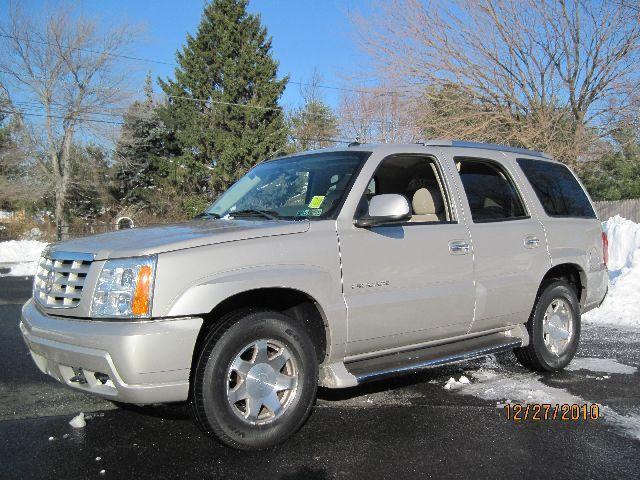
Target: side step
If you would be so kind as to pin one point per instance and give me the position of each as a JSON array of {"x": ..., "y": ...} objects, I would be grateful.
[{"x": 415, "y": 360}]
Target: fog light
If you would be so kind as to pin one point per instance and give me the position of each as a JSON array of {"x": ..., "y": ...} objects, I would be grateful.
[
  {"x": 78, "y": 376},
  {"x": 101, "y": 377}
]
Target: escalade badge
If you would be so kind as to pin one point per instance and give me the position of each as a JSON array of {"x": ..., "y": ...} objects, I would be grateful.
[{"x": 383, "y": 283}]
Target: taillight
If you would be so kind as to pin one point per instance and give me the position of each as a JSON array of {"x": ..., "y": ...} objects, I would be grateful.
[{"x": 605, "y": 248}]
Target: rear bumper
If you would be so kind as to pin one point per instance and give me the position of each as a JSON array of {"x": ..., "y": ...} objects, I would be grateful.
[{"x": 146, "y": 362}]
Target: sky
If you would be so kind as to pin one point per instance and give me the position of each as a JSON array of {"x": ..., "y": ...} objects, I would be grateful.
[{"x": 307, "y": 35}]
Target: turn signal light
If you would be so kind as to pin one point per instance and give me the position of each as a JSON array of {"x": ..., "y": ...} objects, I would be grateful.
[{"x": 141, "y": 298}]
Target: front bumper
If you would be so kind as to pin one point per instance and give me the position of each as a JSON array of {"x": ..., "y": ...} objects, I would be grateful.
[{"x": 144, "y": 361}]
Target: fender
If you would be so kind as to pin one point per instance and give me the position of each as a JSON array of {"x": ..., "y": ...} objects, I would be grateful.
[
  {"x": 203, "y": 297},
  {"x": 576, "y": 256}
]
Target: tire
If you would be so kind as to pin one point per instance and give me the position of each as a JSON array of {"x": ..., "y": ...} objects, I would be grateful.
[
  {"x": 236, "y": 362},
  {"x": 547, "y": 350}
]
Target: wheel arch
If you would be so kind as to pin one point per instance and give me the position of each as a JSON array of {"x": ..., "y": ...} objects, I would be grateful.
[
  {"x": 572, "y": 273},
  {"x": 294, "y": 303}
]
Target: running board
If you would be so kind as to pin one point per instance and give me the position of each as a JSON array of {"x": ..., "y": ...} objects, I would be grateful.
[{"x": 412, "y": 361}]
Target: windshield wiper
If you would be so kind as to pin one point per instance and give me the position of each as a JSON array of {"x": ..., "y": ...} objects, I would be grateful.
[
  {"x": 250, "y": 212},
  {"x": 206, "y": 215}
]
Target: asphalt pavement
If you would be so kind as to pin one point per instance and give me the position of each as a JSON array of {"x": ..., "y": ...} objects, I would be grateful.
[{"x": 409, "y": 427}]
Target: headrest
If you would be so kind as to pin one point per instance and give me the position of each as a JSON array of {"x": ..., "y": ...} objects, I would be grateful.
[
  {"x": 490, "y": 202},
  {"x": 427, "y": 201}
]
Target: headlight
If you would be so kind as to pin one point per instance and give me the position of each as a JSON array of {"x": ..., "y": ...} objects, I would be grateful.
[{"x": 125, "y": 288}]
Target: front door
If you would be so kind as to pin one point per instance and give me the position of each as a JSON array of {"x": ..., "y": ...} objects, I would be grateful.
[{"x": 411, "y": 282}]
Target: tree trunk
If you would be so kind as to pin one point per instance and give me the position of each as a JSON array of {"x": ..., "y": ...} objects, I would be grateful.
[{"x": 59, "y": 210}]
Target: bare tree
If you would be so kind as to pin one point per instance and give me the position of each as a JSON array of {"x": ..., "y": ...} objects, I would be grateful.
[
  {"x": 546, "y": 60},
  {"x": 60, "y": 70},
  {"x": 378, "y": 115},
  {"x": 314, "y": 124}
]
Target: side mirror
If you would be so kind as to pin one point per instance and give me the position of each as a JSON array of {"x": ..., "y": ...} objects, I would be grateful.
[{"x": 386, "y": 208}]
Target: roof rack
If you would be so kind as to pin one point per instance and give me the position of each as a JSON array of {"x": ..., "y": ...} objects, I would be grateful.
[{"x": 486, "y": 146}]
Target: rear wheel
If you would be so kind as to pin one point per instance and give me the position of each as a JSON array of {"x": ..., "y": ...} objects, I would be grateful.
[
  {"x": 554, "y": 329},
  {"x": 255, "y": 380}
]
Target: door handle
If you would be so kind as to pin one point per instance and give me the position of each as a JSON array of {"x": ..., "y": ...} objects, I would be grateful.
[
  {"x": 458, "y": 247},
  {"x": 531, "y": 241}
]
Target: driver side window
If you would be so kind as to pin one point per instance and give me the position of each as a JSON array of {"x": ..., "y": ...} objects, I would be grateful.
[{"x": 418, "y": 180}]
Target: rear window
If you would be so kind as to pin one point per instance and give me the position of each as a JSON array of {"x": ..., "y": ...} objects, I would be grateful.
[{"x": 557, "y": 189}]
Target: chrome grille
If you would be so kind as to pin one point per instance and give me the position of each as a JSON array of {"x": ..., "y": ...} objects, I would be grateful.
[{"x": 60, "y": 279}]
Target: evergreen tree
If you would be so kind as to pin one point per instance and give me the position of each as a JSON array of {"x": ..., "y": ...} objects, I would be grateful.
[
  {"x": 144, "y": 156},
  {"x": 616, "y": 175},
  {"x": 87, "y": 196},
  {"x": 223, "y": 101}
]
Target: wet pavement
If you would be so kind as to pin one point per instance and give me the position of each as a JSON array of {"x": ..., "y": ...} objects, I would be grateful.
[{"x": 403, "y": 428}]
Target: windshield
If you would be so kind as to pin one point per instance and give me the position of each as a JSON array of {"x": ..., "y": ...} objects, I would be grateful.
[{"x": 305, "y": 186}]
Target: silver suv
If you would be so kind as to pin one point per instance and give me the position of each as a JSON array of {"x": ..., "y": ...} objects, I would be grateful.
[{"x": 331, "y": 268}]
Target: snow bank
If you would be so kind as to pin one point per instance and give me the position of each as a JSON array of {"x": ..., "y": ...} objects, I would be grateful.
[
  {"x": 21, "y": 255},
  {"x": 622, "y": 306},
  {"x": 624, "y": 243}
]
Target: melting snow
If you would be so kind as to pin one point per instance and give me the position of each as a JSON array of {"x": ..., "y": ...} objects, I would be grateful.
[
  {"x": 605, "y": 365},
  {"x": 492, "y": 382}
]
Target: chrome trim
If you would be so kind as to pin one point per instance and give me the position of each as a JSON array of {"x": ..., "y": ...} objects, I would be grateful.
[
  {"x": 60, "y": 279},
  {"x": 62, "y": 255}
]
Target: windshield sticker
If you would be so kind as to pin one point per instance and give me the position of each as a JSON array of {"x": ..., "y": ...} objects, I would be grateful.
[
  {"x": 316, "y": 201},
  {"x": 309, "y": 212}
]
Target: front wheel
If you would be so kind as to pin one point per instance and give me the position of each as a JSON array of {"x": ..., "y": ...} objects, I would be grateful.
[
  {"x": 554, "y": 329},
  {"x": 255, "y": 380}
]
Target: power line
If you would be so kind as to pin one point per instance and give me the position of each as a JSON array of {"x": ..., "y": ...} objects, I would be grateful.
[
  {"x": 82, "y": 119},
  {"x": 60, "y": 117},
  {"x": 174, "y": 64},
  {"x": 124, "y": 112}
]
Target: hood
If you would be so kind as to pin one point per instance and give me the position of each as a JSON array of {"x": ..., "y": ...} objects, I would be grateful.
[{"x": 196, "y": 233}]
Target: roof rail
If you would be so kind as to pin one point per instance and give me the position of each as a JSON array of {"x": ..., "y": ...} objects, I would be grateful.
[{"x": 486, "y": 146}]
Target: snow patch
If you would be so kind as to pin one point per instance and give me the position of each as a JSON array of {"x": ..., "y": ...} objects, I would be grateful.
[
  {"x": 605, "y": 365},
  {"x": 78, "y": 421},
  {"x": 22, "y": 255},
  {"x": 452, "y": 383},
  {"x": 630, "y": 424},
  {"x": 493, "y": 383}
]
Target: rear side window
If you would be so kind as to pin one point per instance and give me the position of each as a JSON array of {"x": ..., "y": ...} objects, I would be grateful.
[
  {"x": 491, "y": 193},
  {"x": 557, "y": 189}
]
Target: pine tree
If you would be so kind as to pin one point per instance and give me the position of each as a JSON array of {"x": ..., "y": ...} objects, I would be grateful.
[
  {"x": 144, "y": 156},
  {"x": 223, "y": 101},
  {"x": 87, "y": 196}
]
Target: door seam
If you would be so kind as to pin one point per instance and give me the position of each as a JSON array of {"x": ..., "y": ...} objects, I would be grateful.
[{"x": 473, "y": 250}]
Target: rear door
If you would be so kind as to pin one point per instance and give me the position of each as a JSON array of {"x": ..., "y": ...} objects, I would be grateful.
[{"x": 509, "y": 243}]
